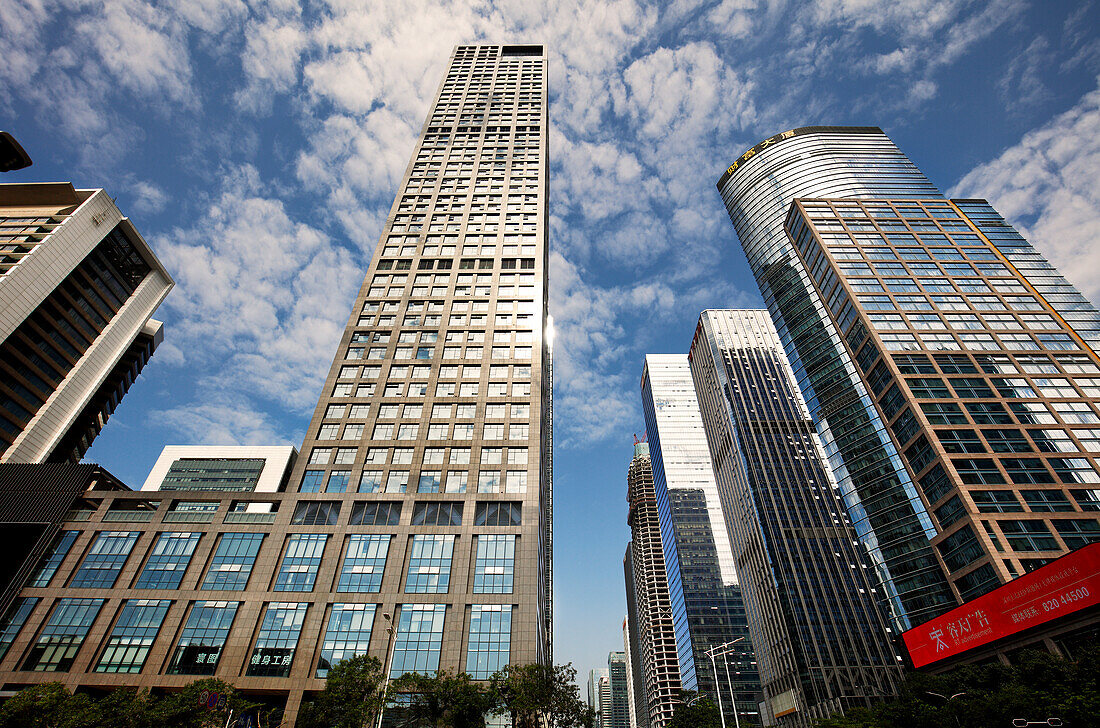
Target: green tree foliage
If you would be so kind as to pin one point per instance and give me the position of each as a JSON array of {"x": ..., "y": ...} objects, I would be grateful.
[
  {"x": 51, "y": 705},
  {"x": 351, "y": 698},
  {"x": 539, "y": 695},
  {"x": 1037, "y": 687},
  {"x": 693, "y": 711},
  {"x": 442, "y": 700}
]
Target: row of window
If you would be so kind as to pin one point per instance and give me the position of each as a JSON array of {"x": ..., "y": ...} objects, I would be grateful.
[
  {"x": 418, "y": 637},
  {"x": 427, "y": 481},
  {"x": 389, "y": 411},
  {"x": 962, "y": 548},
  {"x": 231, "y": 564}
]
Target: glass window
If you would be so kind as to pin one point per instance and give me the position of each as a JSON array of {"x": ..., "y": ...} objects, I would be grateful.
[
  {"x": 104, "y": 560},
  {"x": 419, "y": 639},
  {"x": 398, "y": 481},
  {"x": 1046, "y": 501},
  {"x": 995, "y": 501},
  {"x": 64, "y": 633},
  {"x": 370, "y": 481},
  {"x": 497, "y": 514},
  {"x": 437, "y": 514},
  {"x": 232, "y": 563},
  {"x": 1078, "y": 532},
  {"x": 346, "y": 635},
  {"x": 430, "y": 564},
  {"x": 1089, "y": 500},
  {"x": 494, "y": 564},
  {"x": 16, "y": 617},
  {"x": 202, "y": 639},
  {"x": 489, "y": 645},
  {"x": 300, "y": 562},
  {"x": 278, "y": 638},
  {"x": 168, "y": 561},
  {"x": 52, "y": 560},
  {"x": 133, "y": 636},
  {"x": 1028, "y": 536},
  {"x": 364, "y": 563},
  {"x": 383, "y": 513},
  {"x": 1024, "y": 471},
  {"x": 338, "y": 481},
  {"x": 960, "y": 549},
  {"x": 429, "y": 480},
  {"x": 312, "y": 481},
  {"x": 316, "y": 513}
]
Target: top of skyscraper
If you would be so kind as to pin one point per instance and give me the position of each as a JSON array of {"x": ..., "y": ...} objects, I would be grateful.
[{"x": 789, "y": 134}]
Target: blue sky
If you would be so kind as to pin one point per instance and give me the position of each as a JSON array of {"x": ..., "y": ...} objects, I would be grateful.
[{"x": 258, "y": 148}]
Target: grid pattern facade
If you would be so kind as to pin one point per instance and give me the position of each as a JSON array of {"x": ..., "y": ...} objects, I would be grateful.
[
  {"x": 658, "y": 660},
  {"x": 823, "y": 644},
  {"x": 618, "y": 714},
  {"x": 705, "y": 599},
  {"x": 213, "y": 474},
  {"x": 988, "y": 394}
]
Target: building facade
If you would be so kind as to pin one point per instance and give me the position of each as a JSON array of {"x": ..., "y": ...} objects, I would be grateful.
[
  {"x": 648, "y": 601},
  {"x": 990, "y": 397},
  {"x": 618, "y": 674},
  {"x": 707, "y": 608},
  {"x": 823, "y": 645},
  {"x": 78, "y": 287},
  {"x": 421, "y": 501},
  {"x": 262, "y": 469},
  {"x": 634, "y": 684}
]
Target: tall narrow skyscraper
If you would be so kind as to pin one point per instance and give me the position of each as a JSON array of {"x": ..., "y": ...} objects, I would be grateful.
[
  {"x": 438, "y": 401},
  {"x": 648, "y": 601},
  {"x": 706, "y": 604},
  {"x": 921, "y": 290},
  {"x": 821, "y": 641}
]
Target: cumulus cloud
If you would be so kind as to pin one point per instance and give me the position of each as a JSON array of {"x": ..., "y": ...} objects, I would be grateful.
[{"x": 1048, "y": 186}]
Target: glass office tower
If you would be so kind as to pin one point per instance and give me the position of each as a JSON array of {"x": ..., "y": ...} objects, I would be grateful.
[
  {"x": 888, "y": 510},
  {"x": 990, "y": 396},
  {"x": 707, "y": 609},
  {"x": 822, "y": 643},
  {"x": 421, "y": 498}
]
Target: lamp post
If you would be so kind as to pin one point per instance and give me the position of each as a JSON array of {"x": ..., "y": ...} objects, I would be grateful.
[
  {"x": 724, "y": 649},
  {"x": 947, "y": 700},
  {"x": 392, "y": 644}
]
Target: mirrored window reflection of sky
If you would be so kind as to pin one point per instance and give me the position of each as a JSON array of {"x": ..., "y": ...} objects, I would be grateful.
[{"x": 258, "y": 147}]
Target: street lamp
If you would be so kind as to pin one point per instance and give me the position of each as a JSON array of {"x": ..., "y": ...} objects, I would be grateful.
[
  {"x": 947, "y": 700},
  {"x": 724, "y": 649},
  {"x": 12, "y": 155},
  {"x": 391, "y": 644}
]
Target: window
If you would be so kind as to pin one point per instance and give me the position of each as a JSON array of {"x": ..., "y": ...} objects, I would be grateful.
[
  {"x": 995, "y": 501},
  {"x": 346, "y": 635},
  {"x": 430, "y": 565},
  {"x": 419, "y": 639},
  {"x": 976, "y": 471},
  {"x": 1028, "y": 536},
  {"x": 456, "y": 481},
  {"x": 516, "y": 482},
  {"x": 345, "y": 455},
  {"x": 398, "y": 481},
  {"x": 402, "y": 456},
  {"x": 364, "y": 563},
  {"x": 1024, "y": 471},
  {"x": 320, "y": 455},
  {"x": 488, "y": 481},
  {"x": 960, "y": 549},
  {"x": 338, "y": 481},
  {"x": 497, "y": 514},
  {"x": 928, "y": 388},
  {"x": 1078, "y": 532},
  {"x": 494, "y": 564},
  {"x": 300, "y": 563},
  {"x": 64, "y": 633},
  {"x": 232, "y": 563},
  {"x": 133, "y": 636},
  {"x": 1074, "y": 470},
  {"x": 441, "y": 513},
  {"x": 459, "y": 456},
  {"x": 1089, "y": 500},
  {"x": 1046, "y": 501},
  {"x": 316, "y": 513},
  {"x": 517, "y": 456},
  {"x": 104, "y": 560},
  {"x": 488, "y": 649},
  {"x": 381, "y": 513},
  {"x": 50, "y": 562},
  {"x": 370, "y": 481},
  {"x": 312, "y": 481},
  {"x": 971, "y": 387},
  {"x": 278, "y": 638},
  {"x": 13, "y": 621},
  {"x": 168, "y": 561}
]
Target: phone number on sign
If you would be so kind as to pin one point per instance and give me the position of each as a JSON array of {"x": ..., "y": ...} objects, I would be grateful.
[{"x": 1068, "y": 598}]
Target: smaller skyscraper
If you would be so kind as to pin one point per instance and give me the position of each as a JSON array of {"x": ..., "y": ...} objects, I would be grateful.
[
  {"x": 823, "y": 644},
  {"x": 259, "y": 469},
  {"x": 599, "y": 693},
  {"x": 706, "y": 603},
  {"x": 618, "y": 710},
  {"x": 649, "y": 606},
  {"x": 633, "y": 674},
  {"x": 78, "y": 286}
]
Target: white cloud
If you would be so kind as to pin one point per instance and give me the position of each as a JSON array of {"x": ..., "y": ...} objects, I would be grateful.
[
  {"x": 1048, "y": 186},
  {"x": 148, "y": 198},
  {"x": 228, "y": 422}
]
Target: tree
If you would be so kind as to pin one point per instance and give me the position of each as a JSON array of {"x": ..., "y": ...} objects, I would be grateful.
[
  {"x": 541, "y": 695},
  {"x": 1037, "y": 687},
  {"x": 693, "y": 711},
  {"x": 442, "y": 700},
  {"x": 352, "y": 696}
]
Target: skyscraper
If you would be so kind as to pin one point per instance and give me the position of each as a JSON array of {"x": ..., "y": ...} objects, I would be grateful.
[
  {"x": 706, "y": 605},
  {"x": 647, "y": 593},
  {"x": 618, "y": 711},
  {"x": 635, "y": 686},
  {"x": 421, "y": 501},
  {"x": 822, "y": 643},
  {"x": 864, "y": 440},
  {"x": 78, "y": 286}
]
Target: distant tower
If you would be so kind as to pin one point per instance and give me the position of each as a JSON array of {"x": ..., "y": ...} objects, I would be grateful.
[
  {"x": 618, "y": 715},
  {"x": 78, "y": 286},
  {"x": 647, "y": 591}
]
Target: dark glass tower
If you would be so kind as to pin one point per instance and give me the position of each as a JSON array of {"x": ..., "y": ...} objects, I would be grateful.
[{"x": 706, "y": 605}]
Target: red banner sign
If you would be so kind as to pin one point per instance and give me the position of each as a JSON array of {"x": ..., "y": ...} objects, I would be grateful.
[{"x": 1062, "y": 587}]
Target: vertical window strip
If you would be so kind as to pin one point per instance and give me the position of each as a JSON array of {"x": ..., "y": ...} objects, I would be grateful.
[
  {"x": 64, "y": 633},
  {"x": 419, "y": 639},
  {"x": 202, "y": 639},
  {"x": 494, "y": 564},
  {"x": 489, "y": 646},
  {"x": 169, "y": 560},
  {"x": 274, "y": 651},
  {"x": 232, "y": 563},
  {"x": 300, "y": 562},
  {"x": 105, "y": 559},
  {"x": 52, "y": 561},
  {"x": 364, "y": 563},
  {"x": 13, "y": 622},
  {"x": 430, "y": 565},
  {"x": 135, "y": 632},
  {"x": 346, "y": 635}
]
